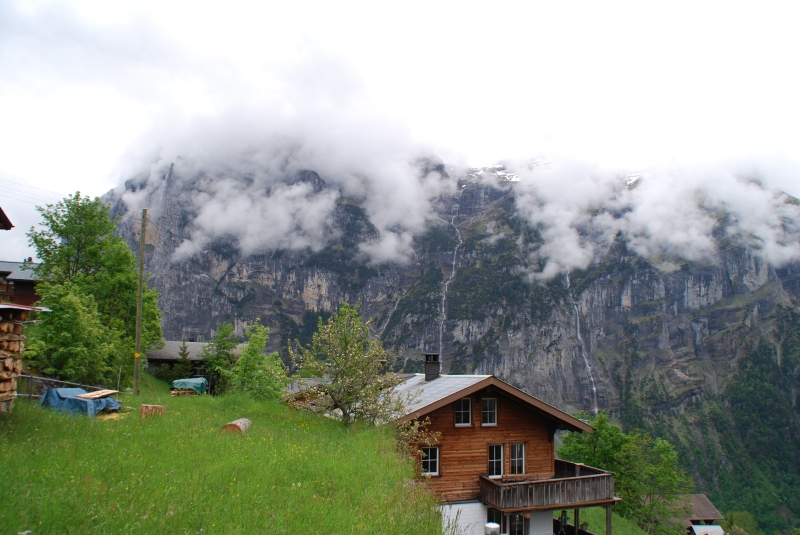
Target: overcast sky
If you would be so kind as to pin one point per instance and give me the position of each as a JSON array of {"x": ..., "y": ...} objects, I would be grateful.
[{"x": 88, "y": 89}]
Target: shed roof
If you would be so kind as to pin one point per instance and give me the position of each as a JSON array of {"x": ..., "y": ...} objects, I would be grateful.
[
  {"x": 445, "y": 389},
  {"x": 171, "y": 350},
  {"x": 18, "y": 271},
  {"x": 703, "y": 509}
]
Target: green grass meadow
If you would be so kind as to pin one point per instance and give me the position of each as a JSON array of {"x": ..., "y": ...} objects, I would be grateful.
[
  {"x": 292, "y": 472},
  {"x": 596, "y": 518}
]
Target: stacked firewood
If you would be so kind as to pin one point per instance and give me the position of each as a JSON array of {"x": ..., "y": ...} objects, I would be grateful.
[{"x": 12, "y": 344}]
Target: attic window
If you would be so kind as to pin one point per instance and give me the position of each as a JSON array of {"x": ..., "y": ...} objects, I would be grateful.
[
  {"x": 463, "y": 409},
  {"x": 489, "y": 411}
]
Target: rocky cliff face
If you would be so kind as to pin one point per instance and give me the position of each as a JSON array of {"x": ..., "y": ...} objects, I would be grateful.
[{"x": 654, "y": 341}]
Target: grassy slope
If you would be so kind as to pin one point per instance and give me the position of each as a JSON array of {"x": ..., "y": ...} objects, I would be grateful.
[
  {"x": 596, "y": 518},
  {"x": 292, "y": 472}
]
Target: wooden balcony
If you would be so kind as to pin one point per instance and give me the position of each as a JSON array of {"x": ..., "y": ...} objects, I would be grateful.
[{"x": 574, "y": 485}]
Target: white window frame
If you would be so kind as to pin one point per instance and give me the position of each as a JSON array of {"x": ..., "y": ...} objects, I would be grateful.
[
  {"x": 492, "y": 412},
  {"x": 458, "y": 410},
  {"x": 428, "y": 459},
  {"x": 520, "y": 459},
  {"x": 494, "y": 448}
]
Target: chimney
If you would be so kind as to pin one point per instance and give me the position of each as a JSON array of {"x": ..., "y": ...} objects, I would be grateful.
[{"x": 432, "y": 366}]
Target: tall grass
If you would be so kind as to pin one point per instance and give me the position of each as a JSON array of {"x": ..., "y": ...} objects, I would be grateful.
[{"x": 292, "y": 472}]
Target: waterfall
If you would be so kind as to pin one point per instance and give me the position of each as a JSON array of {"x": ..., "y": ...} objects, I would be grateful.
[
  {"x": 452, "y": 274},
  {"x": 389, "y": 317},
  {"x": 583, "y": 345}
]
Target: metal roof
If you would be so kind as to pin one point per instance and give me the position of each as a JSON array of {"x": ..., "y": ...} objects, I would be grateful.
[
  {"x": 711, "y": 529},
  {"x": 24, "y": 307},
  {"x": 445, "y": 389},
  {"x": 171, "y": 350},
  {"x": 16, "y": 272}
]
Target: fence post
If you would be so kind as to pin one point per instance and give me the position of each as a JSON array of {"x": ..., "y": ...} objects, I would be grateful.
[{"x": 30, "y": 388}]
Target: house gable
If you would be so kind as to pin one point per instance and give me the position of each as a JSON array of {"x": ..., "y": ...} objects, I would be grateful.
[{"x": 464, "y": 449}]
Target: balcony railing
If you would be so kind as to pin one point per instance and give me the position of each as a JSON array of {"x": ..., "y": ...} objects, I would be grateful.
[{"x": 574, "y": 485}]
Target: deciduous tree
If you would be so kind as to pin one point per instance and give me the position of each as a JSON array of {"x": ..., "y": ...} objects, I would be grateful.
[
  {"x": 80, "y": 252},
  {"x": 649, "y": 478},
  {"x": 354, "y": 367},
  {"x": 255, "y": 373}
]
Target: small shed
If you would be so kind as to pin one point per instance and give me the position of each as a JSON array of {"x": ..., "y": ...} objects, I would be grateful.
[{"x": 170, "y": 353}]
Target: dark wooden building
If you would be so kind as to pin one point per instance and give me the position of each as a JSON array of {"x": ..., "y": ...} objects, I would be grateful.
[
  {"x": 495, "y": 458},
  {"x": 18, "y": 282}
]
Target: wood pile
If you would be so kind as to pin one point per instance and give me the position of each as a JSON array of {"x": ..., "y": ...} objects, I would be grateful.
[
  {"x": 12, "y": 344},
  {"x": 183, "y": 392}
]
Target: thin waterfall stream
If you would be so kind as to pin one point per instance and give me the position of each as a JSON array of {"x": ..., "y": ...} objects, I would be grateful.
[
  {"x": 583, "y": 345},
  {"x": 452, "y": 272}
]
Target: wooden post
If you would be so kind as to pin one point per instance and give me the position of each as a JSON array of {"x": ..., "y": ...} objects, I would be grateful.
[
  {"x": 608, "y": 520},
  {"x": 30, "y": 387},
  {"x": 150, "y": 410},
  {"x": 576, "y": 513},
  {"x": 237, "y": 426},
  {"x": 138, "y": 343}
]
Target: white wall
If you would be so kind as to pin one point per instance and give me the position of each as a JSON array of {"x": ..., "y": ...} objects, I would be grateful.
[
  {"x": 472, "y": 517},
  {"x": 541, "y": 523}
]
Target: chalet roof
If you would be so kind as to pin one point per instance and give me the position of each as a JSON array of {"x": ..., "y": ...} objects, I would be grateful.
[
  {"x": 445, "y": 389},
  {"x": 16, "y": 272},
  {"x": 5, "y": 222},
  {"x": 703, "y": 509},
  {"x": 171, "y": 350}
]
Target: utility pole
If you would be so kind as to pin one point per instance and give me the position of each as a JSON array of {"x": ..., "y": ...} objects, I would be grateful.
[{"x": 138, "y": 347}]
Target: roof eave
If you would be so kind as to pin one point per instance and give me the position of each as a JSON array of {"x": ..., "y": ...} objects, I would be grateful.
[{"x": 569, "y": 423}]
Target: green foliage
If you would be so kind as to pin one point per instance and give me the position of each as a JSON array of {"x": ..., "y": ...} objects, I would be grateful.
[
  {"x": 219, "y": 356},
  {"x": 256, "y": 374},
  {"x": 758, "y": 429},
  {"x": 78, "y": 248},
  {"x": 649, "y": 478},
  {"x": 742, "y": 520},
  {"x": 292, "y": 472},
  {"x": 70, "y": 342},
  {"x": 355, "y": 365}
]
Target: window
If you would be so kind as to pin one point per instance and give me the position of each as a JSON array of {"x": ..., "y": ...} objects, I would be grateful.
[
  {"x": 430, "y": 461},
  {"x": 496, "y": 460},
  {"x": 489, "y": 411},
  {"x": 516, "y": 525},
  {"x": 517, "y": 458},
  {"x": 493, "y": 515},
  {"x": 463, "y": 411}
]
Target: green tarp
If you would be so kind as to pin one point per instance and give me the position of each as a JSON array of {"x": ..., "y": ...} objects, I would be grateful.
[{"x": 198, "y": 384}]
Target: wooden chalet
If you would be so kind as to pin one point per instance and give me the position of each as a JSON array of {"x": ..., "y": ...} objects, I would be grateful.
[
  {"x": 495, "y": 460},
  {"x": 18, "y": 282},
  {"x": 704, "y": 518}
]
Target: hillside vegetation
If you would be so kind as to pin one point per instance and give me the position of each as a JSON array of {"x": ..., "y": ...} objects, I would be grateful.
[{"x": 292, "y": 472}]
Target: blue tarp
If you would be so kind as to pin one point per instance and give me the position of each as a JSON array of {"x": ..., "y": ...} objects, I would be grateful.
[{"x": 67, "y": 400}]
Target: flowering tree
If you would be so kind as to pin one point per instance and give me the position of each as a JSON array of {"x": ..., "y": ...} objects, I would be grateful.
[{"x": 354, "y": 370}]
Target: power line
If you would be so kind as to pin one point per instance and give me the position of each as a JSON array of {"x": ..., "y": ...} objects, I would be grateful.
[
  {"x": 36, "y": 195},
  {"x": 16, "y": 199},
  {"x": 32, "y": 187}
]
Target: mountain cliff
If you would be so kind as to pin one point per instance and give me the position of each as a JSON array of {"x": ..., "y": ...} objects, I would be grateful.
[{"x": 701, "y": 349}]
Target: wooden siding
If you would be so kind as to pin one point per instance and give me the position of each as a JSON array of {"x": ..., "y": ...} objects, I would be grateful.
[{"x": 464, "y": 451}]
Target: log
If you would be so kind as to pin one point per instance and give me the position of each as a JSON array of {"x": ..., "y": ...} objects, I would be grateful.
[
  {"x": 236, "y": 427},
  {"x": 150, "y": 410}
]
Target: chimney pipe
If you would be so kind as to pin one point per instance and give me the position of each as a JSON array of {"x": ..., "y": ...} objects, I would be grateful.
[{"x": 432, "y": 366}]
